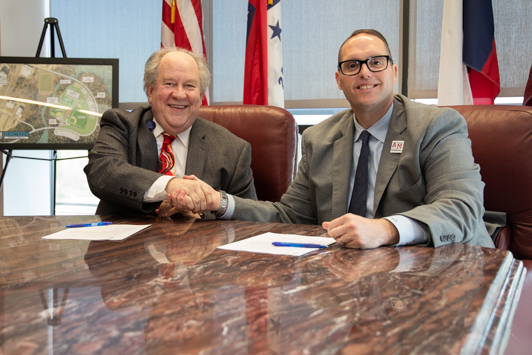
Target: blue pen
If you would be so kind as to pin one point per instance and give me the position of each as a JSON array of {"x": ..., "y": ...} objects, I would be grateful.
[
  {"x": 89, "y": 224},
  {"x": 298, "y": 245}
]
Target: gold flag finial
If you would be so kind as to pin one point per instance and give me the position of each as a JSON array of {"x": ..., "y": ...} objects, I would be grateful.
[{"x": 172, "y": 20}]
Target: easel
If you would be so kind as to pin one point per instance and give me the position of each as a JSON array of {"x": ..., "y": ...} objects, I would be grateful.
[
  {"x": 53, "y": 24},
  {"x": 54, "y": 317}
]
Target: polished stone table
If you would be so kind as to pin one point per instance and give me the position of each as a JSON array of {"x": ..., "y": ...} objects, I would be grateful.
[{"x": 168, "y": 290}]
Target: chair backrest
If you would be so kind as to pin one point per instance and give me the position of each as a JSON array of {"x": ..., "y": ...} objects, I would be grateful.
[
  {"x": 273, "y": 135},
  {"x": 501, "y": 137}
]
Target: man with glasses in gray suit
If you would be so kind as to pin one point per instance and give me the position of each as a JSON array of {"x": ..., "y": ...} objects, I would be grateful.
[{"x": 387, "y": 171}]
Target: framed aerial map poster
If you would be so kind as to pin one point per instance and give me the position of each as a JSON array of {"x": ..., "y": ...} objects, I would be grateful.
[{"x": 54, "y": 103}]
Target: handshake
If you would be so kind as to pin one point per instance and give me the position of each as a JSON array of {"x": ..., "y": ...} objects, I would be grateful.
[{"x": 188, "y": 196}]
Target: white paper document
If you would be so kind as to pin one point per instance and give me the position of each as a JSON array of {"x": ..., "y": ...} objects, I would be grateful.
[
  {"x": 262, "y": 243},
  {"x": 115, "y": 232}
]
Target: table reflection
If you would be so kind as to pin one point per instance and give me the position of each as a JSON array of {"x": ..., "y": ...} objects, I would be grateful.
[{"x": 169, "y": 289}]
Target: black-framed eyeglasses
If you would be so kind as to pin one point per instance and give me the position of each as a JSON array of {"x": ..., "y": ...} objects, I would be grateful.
[{"x": 375, "y": 64}]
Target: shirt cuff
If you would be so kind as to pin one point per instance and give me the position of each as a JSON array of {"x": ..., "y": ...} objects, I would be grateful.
[
  {"x": 157, "y": 191},
  {"x": 230, "y": 208},
  {"x": 410, "y": 230}
]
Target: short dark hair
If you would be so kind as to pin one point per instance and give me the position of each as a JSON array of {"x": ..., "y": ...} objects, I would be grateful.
[{"x": 369, "y": 32}]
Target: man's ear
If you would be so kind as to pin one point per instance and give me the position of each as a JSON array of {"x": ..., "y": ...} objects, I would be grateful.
[
  {"x": 149, "y": 92},
  {"x": 336, "y": 75}
]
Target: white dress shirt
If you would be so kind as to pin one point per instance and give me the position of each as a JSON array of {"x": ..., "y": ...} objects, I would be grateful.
[{"x": 157, "y": 191}]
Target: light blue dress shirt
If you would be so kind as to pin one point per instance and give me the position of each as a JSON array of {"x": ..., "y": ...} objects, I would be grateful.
[{"x": 410, "y": 231}]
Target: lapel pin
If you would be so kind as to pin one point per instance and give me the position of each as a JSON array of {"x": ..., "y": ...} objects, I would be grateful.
[{"x": 397, "y": 146}]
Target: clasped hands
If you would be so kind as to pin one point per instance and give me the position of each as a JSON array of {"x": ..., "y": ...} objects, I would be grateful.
[
  {"x": 188, "y": 196},
  {"x": 191, "y": 195}
]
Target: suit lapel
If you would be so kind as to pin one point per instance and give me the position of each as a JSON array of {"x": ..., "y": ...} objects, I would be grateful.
[
  {"x": 197, "y": 150},
  {"x": 147, "y": 144},
  {"x": 389, "y": 161},
  {"x": 341, "y": 165}
]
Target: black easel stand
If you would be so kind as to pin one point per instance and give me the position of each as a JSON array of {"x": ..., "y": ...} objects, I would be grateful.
[
  {"x": 52, "y": 23},
  {"x": 9, "y": 154}
]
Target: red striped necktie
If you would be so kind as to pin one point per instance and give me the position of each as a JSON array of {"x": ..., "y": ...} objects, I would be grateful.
[{"x": 166, "y": 158}]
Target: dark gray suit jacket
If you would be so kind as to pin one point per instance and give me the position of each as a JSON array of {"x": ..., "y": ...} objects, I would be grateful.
[
  {"x": 434, "y": 180},
  {"x": 124, "y": 162}
]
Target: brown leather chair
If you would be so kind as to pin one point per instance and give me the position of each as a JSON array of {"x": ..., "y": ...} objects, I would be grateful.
[
  {"x": 501, "y": 137},
  {"x": 272, "y": 133}
]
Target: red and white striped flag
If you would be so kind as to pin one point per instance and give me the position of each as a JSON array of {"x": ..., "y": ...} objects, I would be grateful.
[
  {"x": 182, "y": 26},
  {"x": 263, "y": 73}
]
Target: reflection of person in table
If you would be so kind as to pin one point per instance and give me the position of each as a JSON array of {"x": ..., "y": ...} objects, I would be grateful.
[
  {"x": 392, "y": 294},
  {"x": 181, "y": 318},
  {"x": 152, "y": 276},
  {"x": 240, "y": 283},
  {"x": 131, "y": 272}
]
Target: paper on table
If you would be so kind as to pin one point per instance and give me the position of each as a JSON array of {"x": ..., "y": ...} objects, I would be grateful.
[
  {"x": 262, "y": 243},
  {"x": 114, "y": 232}
]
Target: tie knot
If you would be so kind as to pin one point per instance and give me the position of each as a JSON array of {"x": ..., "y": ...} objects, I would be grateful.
[
  {"x": 364, "y": 136},
  {"x": 168, "y": 138}
]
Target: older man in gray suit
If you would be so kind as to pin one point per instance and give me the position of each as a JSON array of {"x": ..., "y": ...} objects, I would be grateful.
[
  {"x": 421, "y": 184},
  {"x": 124, "y": 168}
]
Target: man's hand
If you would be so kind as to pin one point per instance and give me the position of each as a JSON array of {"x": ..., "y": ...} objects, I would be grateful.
[
  {"x": 362, "y": 233},
  {"x": 192, "y": 194}
]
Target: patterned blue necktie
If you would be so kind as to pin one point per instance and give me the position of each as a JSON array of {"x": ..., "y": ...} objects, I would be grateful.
[{"x": 360, "y": 190}]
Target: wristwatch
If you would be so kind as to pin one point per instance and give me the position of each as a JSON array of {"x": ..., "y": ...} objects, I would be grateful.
[{"x": 223, "y": 205}]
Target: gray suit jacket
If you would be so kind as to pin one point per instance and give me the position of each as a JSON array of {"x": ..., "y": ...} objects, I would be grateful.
[
  {"x": 124, "y": 162},
  {"x": 434, "y": 180}
]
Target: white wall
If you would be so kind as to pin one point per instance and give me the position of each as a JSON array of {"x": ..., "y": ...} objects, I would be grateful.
[
  {"x": 21, "y": 24},
  {"x": 26, "y": 188}
]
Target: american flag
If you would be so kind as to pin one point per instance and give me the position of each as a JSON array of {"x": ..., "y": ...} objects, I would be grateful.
[
  {"x": 182, "y": 26},
  {"x": 263, "y": 73},
  {"x": 469, "y": 71}
]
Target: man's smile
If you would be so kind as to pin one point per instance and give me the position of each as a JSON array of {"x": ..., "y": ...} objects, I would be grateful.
[{"x": 363, "y": 87}]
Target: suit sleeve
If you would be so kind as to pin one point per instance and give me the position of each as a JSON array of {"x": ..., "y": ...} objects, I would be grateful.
[
  {"x": 241, "y": 182},
  {"x": 111, "y": 172},
  {"x": 295, "y": 205},
  {"x": 453, "y": 200}
]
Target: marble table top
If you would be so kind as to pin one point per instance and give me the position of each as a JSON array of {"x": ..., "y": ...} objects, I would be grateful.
[{"x": 169, "y": 290}]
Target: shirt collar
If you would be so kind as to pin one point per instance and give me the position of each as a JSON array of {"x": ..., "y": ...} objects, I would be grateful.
[
  {"x": 183, "y": 136},
  {"x": 379, "y": 129}
]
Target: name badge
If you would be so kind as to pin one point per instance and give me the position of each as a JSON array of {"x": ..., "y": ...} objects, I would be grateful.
[{"x": 397, "y": 146}]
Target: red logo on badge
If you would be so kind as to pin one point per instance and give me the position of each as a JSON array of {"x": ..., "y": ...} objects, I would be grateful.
[{"x": 397, "y": 147}]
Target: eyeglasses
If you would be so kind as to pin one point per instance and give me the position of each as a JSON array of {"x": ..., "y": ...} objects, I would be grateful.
[{"x": 374, "y": 64}]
